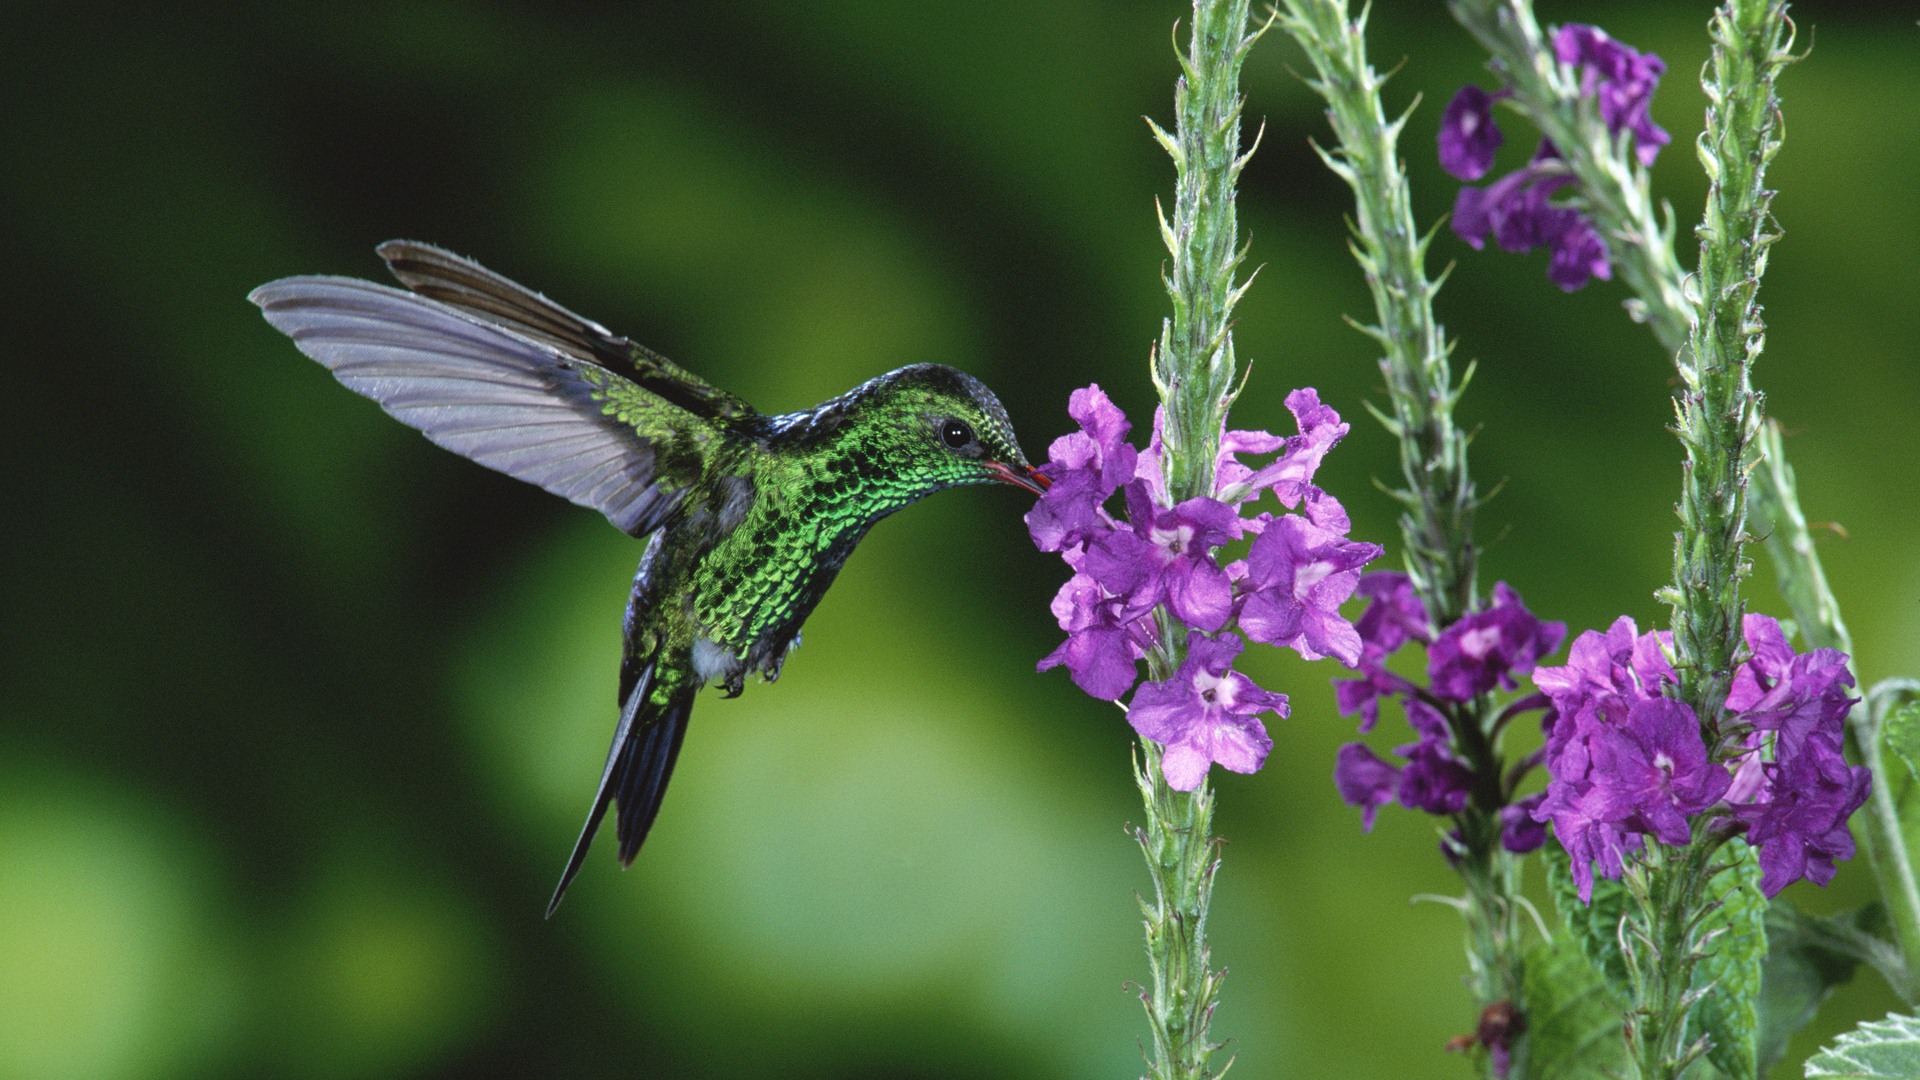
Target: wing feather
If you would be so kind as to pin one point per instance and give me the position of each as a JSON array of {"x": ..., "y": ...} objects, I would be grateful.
[
  {"x": 464, "y": 284},
  {"x": 512, "y": 402}
]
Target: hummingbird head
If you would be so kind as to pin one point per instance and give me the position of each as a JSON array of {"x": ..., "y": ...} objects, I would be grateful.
[{"x": 935, "y": 426}]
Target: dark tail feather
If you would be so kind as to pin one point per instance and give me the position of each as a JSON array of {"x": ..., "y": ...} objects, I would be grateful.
[
  {"x": 644, "y": 783},
  {"x": 639, "y": 763}
]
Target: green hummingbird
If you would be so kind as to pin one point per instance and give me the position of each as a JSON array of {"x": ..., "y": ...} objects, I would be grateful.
[{"x": 747, "y": 516}]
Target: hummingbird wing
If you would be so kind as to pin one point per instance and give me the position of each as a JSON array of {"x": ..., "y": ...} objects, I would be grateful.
[
  {"x": 506, "y": 398},
  {"x": 465, "y": 284}
]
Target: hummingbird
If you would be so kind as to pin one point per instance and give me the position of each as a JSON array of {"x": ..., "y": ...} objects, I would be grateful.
[{"x": 746, "y": 516}]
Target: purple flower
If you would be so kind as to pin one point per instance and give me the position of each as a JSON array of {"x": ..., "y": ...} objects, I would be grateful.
[
  {"x": 1106, "y": 636},
  {"x": 1625, "y": 761},
  {"x": 1291, "y": 474},
  {"x": 1165, "y": 557},
  {"x": 1468, "y": 135},
  {"x": 1520, "y": 831},
  {"x": 1205, "y": 714},
  {"x": 1297, "y": 576},
  {"x": 1592, "y": 841},
  {"x": 1087, "y": 467},
  {"x": 1604, "y": 673},
  {"x": 1795, "y": 694},
  {"x": 1365, "y": 781},
  {"x": 1620, "y": 78},
  {"x": 1579, "y": 255},
  {"x": 1622, "y": 760},
  {"x": 1518, "y": 212},
  {"x": 1654, "y": 769},
  {"x": 1231, "y": 479},
  {"x": 1797, "y": 819},
  {"x": 1490, "y": 647},
  {"x": 1394, "y": 617},
  {"x": 1435, "y": 779}
]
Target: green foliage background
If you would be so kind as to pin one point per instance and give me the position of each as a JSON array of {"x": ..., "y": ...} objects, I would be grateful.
[{"x": 298, "y": 714}]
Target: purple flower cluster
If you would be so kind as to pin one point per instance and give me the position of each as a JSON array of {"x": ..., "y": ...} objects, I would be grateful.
[
  {"x": 1286, "y": 592},
  {"x": 1484, "y": 650},
  {"x": 1517, "y": 210},
  {"x": 1626, "y": 761}
]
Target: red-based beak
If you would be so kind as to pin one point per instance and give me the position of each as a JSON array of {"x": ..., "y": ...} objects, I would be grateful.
[{"x": 1021, "y": 476}]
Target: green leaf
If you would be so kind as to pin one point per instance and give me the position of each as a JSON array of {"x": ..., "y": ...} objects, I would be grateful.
[
  {"x": 1807, "y": 956},
  {"x": 1877, "y": 1050},
  {"x": 1900, "y": 733},
  {"x": 1595, "y": 926},
  {"x": 1728, "y": 1013},
  {"x": 1573, "y": 1019}
]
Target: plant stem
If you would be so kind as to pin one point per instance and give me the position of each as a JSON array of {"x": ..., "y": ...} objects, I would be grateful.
[
  {"x": 1439, "y": 499},
  {"x": 1719, "y": 412},
  {"x": 1194, "y": 367},
  {"x": 1668, "y": 890},
  {"x": 1718, "y": 417},
  {"x": 1181, "y": 860},
  {"x": 1194, "y": 370},
  {"x": 1439, "y": 494}
]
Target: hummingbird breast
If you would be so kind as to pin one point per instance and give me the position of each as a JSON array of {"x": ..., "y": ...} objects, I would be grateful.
[{"x": 777, "y": 550}]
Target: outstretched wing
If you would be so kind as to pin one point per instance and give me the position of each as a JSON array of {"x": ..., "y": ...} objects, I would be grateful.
[
  {"x": 506, "y": 398},
  {"x": 465, "y": 284}
]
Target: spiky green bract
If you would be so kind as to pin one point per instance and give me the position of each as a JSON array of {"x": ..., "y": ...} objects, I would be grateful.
[
  {"x": 1181, "y": 860},
  {"x": 1719, "y": 413},
  {"x": 1438, "y": 498},
  {"x": 1194, "y": 367},
  {"x": 1695, "y": 931},
  {"x": 1195, "y": 372}
]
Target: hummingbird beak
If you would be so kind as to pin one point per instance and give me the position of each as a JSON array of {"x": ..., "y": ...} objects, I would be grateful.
[{"x": 1021, "y": 476}]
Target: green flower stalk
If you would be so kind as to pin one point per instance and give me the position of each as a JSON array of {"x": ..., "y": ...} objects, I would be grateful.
[
  {"x": 1193, "y": 367},
  {"x": 1194, "y": 370},
  {"x": 1719, "y": 413},
  {"x": 1151, "y": 585},
  {"x": 1439, "y": 494},
  {"x": 1602, "y": 143},
  {"x": 1718, "y": 417},
  {"x": 1438, "y": 498}
]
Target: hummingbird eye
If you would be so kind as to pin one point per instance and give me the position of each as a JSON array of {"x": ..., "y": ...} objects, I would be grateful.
[{"x": 955, "y": 433}]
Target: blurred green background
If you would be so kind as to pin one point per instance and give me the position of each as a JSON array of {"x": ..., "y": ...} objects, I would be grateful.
[{"x": 300, "y": 714}]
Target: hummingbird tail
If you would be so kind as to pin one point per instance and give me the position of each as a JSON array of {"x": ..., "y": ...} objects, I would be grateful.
[{"x": 639, "y": 763}]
